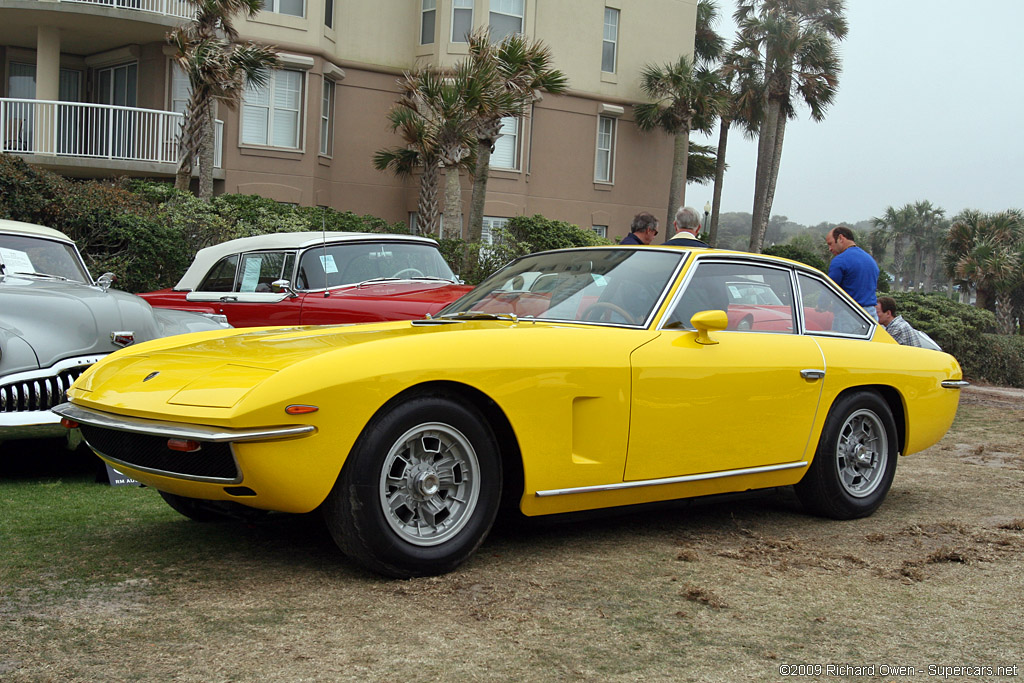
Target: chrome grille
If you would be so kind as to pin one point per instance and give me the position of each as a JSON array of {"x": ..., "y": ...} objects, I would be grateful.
[{"x": 38, "y": 393}]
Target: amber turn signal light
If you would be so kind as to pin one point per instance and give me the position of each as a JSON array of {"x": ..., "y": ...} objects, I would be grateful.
[
  {"x": 300, "y": 409},
  {"x": 183, "y": 445},
  {"x": 70, "y": 424}
]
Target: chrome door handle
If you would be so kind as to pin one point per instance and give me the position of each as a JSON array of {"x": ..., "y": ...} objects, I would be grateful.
[{"x": 812, "y": 374}]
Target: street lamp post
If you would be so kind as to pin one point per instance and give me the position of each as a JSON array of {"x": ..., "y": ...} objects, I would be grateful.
[{"x": 707, "y": 212}]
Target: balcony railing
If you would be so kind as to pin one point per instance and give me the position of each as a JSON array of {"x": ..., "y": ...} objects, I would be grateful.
[
  {"x": 170, "y": 8},
  {"x": 100, "y": 131}
]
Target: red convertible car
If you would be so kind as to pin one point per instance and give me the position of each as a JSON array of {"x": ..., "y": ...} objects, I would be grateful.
[{"x": 315, "y": 278}]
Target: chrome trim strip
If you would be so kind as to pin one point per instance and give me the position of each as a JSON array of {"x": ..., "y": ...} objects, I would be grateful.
[
  {"x": 175, "y": 475},
  {"x": 955, "y": 384},
  {"x": 671, "y": 480},
  {"x": 140, "y": 425}
]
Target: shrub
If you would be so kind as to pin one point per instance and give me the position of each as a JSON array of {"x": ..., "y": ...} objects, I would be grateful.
[
  {"x": 795, "y": 253},
  {"x": 541, "y": 234}
]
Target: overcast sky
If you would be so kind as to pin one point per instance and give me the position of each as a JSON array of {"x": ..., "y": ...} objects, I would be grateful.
[{"x": 930, "y": 106}]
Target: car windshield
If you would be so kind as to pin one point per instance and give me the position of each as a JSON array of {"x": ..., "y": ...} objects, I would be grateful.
[
  {"x": 351, "y": 263},
  {"x": 615, "y": 286},
  {"x": 30, "y": 255}
]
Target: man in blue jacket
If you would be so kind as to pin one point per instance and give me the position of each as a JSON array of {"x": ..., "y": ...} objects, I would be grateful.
[{"x": 853, "y": 269}]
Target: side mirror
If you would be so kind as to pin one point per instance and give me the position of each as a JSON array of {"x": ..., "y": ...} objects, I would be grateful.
[
  {"x": 706, "y": 321},
  {"x": 105, "y": 281},
  {"x": 279, "y": 286}
]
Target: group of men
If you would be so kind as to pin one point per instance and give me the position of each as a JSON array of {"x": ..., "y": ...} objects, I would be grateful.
[{"x": 851, "y": 268}]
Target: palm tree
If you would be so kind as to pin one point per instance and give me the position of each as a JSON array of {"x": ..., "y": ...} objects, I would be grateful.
[
  {"x": 984, "y": 253},
  {"x": 418, "y": 152},
  {"x": 795, "y": 43},
  {"x": 438, "y": 130},
  {"x": 930, "y": 227},
  {"x": 685, "y": 97},
  {"x": 741, "y": 93},
  {"x": 508, "y": 77},
  {"x": 895, "y": 227},
  {"x": 218, "y": 68}
]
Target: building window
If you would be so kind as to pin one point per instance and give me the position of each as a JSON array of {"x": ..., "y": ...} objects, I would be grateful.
[
  {"x": 601, "y": 230},
  {"x": 428, "y": 17},
  {"x": 605, "y": 149},
  {"x": 327, "y": 119},
  {"x": 490, "y": 225},
  {"x": 329, "y": 13},
  {"x": 296, "y": 8},
  {"x": 271, "y": 115},
  {"x": 462, "y": 20},
  {"x": 506, "y": 18},
  {"x": 506, "y": 147},
  {"x": 611, "y": 39}
]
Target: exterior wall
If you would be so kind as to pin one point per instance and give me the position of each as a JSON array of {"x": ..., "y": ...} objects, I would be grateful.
[{"x": 368, "y": 47}]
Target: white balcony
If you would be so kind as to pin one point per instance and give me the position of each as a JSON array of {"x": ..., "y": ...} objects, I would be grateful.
[
  {"x": 99, "y": 131},
  {"x": 169, "y": 8}
]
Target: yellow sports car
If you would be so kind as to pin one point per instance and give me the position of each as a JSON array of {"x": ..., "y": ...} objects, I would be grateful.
[{"x": 570, "y": 380}]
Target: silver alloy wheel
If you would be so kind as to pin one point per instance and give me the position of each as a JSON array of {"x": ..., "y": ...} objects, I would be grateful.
[
  {"x": 862, "y": 453},
  {"x": 429, "y": 484}
]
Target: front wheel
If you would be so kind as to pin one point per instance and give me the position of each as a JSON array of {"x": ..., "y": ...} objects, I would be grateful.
[
  {"x": 855, "y": 461},
  {"x": 419, "y": 491}
]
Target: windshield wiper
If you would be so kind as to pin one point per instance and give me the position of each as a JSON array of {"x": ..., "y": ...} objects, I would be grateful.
[
  {"x": 46, "y": 275},
  {"x": 480, "y": 315}
]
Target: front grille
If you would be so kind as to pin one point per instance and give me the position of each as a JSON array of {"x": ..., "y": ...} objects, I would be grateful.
[
  {"x": 147, "y": 452},
  {"x": 38, "y": 393}
]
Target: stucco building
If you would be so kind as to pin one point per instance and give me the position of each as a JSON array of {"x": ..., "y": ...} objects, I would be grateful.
[{"x": 89, "y": 90}]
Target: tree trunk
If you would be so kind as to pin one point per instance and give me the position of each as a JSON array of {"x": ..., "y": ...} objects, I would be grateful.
[
  {"x": 485, "y": 143},
  {"x": 899, "y": 263},
  {"x": 716, "y": 201},
  {"x": 773, "y": 177},
  {"x": 677, "y": 189},
  {"x": 452, "y": 224},
  {"x": 206, "y": 150},
  {"x": 1004, "y": 313},
  {"x": 426, "y": 207},
  {"x": 765, "y": 151}
]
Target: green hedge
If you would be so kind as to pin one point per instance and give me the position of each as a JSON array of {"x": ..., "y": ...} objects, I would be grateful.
[{"x": 115, "y": 229}]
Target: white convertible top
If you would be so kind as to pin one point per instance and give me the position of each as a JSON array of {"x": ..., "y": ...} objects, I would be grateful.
[
  {"x": 33, "y": 229},
  {"x": 206, "y": 258}
]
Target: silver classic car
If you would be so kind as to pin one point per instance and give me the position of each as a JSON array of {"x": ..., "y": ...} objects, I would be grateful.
[{"x": 55, "y": 322}]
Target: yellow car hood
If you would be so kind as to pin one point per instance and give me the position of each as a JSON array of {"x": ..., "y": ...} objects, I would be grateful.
[{"x": 217, "y": 371}]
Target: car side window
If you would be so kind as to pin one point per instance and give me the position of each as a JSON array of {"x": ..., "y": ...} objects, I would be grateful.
[
  {"x": 755, "y": 298},
  {"x": 826, "y": 311},
  {"x": 221, "y": 277},
  {"x": 259, "y": 269}
]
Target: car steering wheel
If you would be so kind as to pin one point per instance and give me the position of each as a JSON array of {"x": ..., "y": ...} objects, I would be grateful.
[
  {"x": 611, "y": 307},
  {"x": 409, "y": 271}
]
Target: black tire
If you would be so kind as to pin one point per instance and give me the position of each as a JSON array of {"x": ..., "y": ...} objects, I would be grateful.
[
  {"x": 419, "y": 491},
  {"x": 210, "y": 510},
  {"x": 745, "y": 324},
  {"x": 855, "y": 462}
]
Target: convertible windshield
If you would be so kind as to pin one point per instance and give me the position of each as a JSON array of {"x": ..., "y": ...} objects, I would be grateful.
[
  {"x": 617, "y": 286},
  {"x": 352, "y": 263},
  {"x": 41, "y": 257}
]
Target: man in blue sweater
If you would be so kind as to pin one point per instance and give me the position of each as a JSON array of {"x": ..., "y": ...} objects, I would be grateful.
[{"x": 853, "y": 269}]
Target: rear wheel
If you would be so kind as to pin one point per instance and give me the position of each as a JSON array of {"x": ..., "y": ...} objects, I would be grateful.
[
  {"x": 855, "y": 462},
  {"x": 419, "y": 491}
]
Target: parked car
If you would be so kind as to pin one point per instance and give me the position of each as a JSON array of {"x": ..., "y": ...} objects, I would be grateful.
[
  {"x": 55, "y": 322},
  {"x": 756, "y": 306},
  {"x": 570, "y": 380},
  {"x": 315, "y": 278}
]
